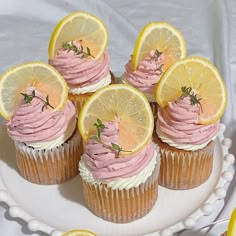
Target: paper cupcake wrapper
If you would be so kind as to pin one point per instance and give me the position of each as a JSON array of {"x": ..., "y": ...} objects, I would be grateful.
[
  {"x": 182, "y": 169},
  {"x": 52, "y": 166},
  {"x": 122, "y": 206}
]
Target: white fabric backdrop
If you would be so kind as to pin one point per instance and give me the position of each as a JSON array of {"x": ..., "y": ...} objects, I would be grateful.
[{"x": 209, "y": 27}]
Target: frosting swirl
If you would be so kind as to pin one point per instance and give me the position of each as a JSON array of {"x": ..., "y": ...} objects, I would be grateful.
[
  {"x": 93, "y": 87},
  {"x": 178, "y": 125},
  {"x": 79, "y": 71},
  {"x": 147, "y": 74},
  {"x": 103, "y": 163},
  {"x": 31, "y": 125}
]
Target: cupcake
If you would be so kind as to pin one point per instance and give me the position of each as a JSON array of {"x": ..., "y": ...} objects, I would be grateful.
[
  {"x": 186, "y": 147},
  {"x": 47, "y": 143},
  {"x": 120, "y": 164},
  {"x": 118, "y": 189},
  {"x": 42, "y": 122},
  {"x": 192, "y": 98},
  {"x": 146, "y": 75},
  {"x": 158, "y": 46},
  {"x": 80, "y": 55}
]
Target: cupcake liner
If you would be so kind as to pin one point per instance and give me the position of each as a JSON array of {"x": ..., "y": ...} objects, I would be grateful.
[
  {"x": 182, "y": 169},
  {"x": 51, "y": 166},
  {"x": 122, "y": 206},
  {"x": 80, "y": 99}
]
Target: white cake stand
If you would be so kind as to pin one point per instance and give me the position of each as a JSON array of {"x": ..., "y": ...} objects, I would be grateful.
[{"x": 59, "y": 208}]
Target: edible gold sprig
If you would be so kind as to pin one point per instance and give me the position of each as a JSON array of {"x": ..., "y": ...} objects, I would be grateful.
[
  {"x": 187, "y": 92},
  {"x": 77, "y": 50},
  {"x": 158, "y": 54},
  {"x": 29, "y": 97},
  {"x": 99, "y": 127}
]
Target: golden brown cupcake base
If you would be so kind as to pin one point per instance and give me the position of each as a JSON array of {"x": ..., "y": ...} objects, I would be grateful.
[
  {"x": 122, "y": 206},
  {"x": 80, "y": 99},
  {"x": 53, "y": 166},
  {"x": 182, "y": 169}
]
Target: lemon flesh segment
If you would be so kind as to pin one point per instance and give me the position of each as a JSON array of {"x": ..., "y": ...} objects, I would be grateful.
[
  {"x": 232, "y": 224},
  {"x": 163, "y": 37},
  {"x": 124, "y": 104},
  {"x": 205, "y": 80},
  {"x": 83, "y": 27},
  {"x": 36, "y": 74},
  {"x": 79, "y": 232}
]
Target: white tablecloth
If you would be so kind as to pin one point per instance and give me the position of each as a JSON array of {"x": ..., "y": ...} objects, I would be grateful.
[{"x": 209, "y": 27}]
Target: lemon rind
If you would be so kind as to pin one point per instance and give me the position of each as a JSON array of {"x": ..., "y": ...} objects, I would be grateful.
[
  {"x": 85, "y": 108},
  {"x": 14, "y": 69},
  {"x": 147, "y": 28},
  {"x": 66, "y": 19},
  {"x": 215, "y": 71}
]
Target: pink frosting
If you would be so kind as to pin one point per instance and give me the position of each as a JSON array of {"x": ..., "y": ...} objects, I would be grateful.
[
  {"x": 179, "y": 122},
  {"x": 79, "y": 71},
  {"x": 147, "y": 74},
  {"x": 30, "y": 124},
  {"x": 103, "y": 161}
]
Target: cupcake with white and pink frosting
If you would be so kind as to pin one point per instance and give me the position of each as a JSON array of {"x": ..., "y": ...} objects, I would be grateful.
[
  {"x": 186, "y": 147},
  {"x": 46, "y": 142},
  {"x": 83, "y": 74},
  {"x": 146, "y": 75},
  {"x": 118, "y": 189}
]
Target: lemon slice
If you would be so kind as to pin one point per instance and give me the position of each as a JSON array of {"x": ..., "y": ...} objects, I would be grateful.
[
  {"x": 83, "y": 27},
  {"x": 39, "y": 75},
  {"x": 125, "y": 104},
  {"x": 232, "y": 224},
  {"x": 79, "y": 232},
  {"x": 205, "y": 81},
  {"x": 163, "y": 37}
]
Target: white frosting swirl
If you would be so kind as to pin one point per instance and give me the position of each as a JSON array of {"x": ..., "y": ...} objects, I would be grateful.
[
  {"x": 188, "y": 147},
  {"x": 178, "y": 126},
  {"x": 122, "y": 183},
  {"x": 93, "y": 87}
]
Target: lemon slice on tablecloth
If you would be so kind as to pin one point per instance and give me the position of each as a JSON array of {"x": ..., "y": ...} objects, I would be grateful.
[
  {"x": 204, "y": 79},
  {"x": 39, "y": 75},
  {"x": 125, "y": 104},
  {"x": 79, "y": 232},
  {"x": 232, "y": 224},
  {"x": 85, "y": 28},
  {"x": 163, "y": 37}
]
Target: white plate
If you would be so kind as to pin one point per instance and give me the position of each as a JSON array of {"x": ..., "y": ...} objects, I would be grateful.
[{"x": 58, "y": 208}]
